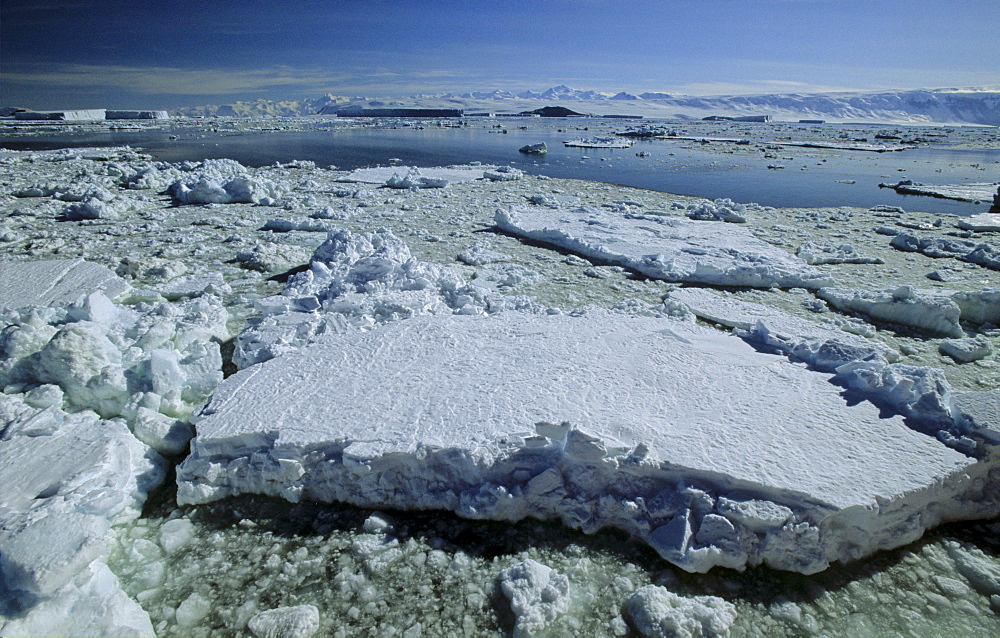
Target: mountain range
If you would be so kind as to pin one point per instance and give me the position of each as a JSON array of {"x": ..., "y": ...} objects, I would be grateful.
[{"x": 945, "y": 106}]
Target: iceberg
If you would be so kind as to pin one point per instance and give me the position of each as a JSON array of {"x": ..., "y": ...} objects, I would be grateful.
[
  {"x": 711, "y": 451},
  {"x": 674, "y": 249}
]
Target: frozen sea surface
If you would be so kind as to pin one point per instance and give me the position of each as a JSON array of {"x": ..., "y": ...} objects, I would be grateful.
[{"x": 210, "y": 569}]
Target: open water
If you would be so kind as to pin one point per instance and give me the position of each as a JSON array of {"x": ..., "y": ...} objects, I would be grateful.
[{"x": 808, "y": 177}]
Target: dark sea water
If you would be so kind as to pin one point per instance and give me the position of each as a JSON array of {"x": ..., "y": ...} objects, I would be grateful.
[{"x": 809, "y": 177}]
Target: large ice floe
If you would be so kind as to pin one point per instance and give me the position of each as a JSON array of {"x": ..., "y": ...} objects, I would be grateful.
[
  {"x": 669, "y": 248},
  {"x": 418, "y": 394}
]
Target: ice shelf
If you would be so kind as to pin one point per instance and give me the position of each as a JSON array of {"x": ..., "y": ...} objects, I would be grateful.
[
  {"x": 689, "y": 438},
  {"x": 669, "y": 248},
  {"x": 54, "y": 282}
]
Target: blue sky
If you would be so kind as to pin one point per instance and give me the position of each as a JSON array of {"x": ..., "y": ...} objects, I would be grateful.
[{"x": 157, "y": 54}]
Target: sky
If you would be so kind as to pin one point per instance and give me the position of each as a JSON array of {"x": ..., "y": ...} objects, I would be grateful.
[{"x": 155, "y": 54}]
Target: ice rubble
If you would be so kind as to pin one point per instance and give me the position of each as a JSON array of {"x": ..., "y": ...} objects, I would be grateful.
[
  {"x": 667, "y": 248},
  {"x": 579, "y": 418},
  {"x": 356, "y": 282},
  {"x": 92, "y": 391},
  {"x": 537, "y": 595},
  {"x": 607, "y": 141},
  {"x": 936, "y": 311},
  {"x": 440, "y": 175},
  {"x": 54, "y": 282},
  {"x": 657, "y": 612},
  {"x": 975, "y": 252}
]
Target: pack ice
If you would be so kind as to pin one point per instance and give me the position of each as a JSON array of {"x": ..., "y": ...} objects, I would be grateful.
[
  {"x": 711, "y": 451},
  {"x": 674, "y": 249},
  {"x": 93, "y": 392}
]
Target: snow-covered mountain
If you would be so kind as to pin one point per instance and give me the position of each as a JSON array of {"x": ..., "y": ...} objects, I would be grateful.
[{"x": 953, "y": 106}]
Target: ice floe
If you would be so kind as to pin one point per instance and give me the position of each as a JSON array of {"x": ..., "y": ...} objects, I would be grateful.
[
  {"x": 933, "y": 310},
  {"x": 420, "y": 177},
  {"x": 983, "y": 222},
  {"x": 359, "y": 281},
  {"x": 55, "y": 282},
  {"x": 579, "y": 418},
  {"x": 822, "y": 253},
  {"x": 980, "y": 192},
  {"x": 656, "y": 612},
  {"x": 822, "y": 345},
  {"x": 599, "y": 142},
  {"x": 667, "y": 248},
  {"x": 975, "y": 252}
]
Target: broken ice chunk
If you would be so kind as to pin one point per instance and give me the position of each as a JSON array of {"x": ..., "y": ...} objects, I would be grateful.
[{"x": 537, "y": 594}]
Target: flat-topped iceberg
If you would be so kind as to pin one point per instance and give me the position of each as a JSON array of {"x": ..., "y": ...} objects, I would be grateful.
[
  {"x": 711, "y": 451},
  {"x": 674, "y": 249}
]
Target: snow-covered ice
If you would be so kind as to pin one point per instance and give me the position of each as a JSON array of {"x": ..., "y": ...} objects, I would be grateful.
[
  {"x": 822, "y": 345},
  {"x": 55, "y": 282},
  {"x": 578, "y": 418},
  {"x": 537, "y": 595},
  {"x": 983, "y": 222},
  {"x": 673, "y": 249},
  {"x": 436, "y": 175},
  {"x": 980, "y": 192},
  {"x": 657, "y": 612},
  {"x": 609, "y": 141},
  {"x": 935, "y": 311}
]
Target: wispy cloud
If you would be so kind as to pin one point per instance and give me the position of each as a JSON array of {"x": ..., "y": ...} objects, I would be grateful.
[{"x": 171, "y": 80}]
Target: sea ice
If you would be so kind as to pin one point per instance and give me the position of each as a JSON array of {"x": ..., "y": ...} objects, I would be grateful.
[
  {"x": 657, "y": 612},
  {"x": 449, "y": 174},
  {"x": 983, "y": 222},
  {"x": 286, "y": 622},
  {"x": 978, "y": 192},
  {"x": 975, "y": 252},
  {"x": 667, "y": 248},
  {"x": 966, "y": 350},
  {"x": 721, "y": 210},
  {"x": 823, "y": 253},
  {"x": 822, "y": 345},
  {"x": 55, "y": 282},
  {"x": 653, "y": 426},
  {"x": 932, "y": 310},
  {"x": 537, "y": 595}
]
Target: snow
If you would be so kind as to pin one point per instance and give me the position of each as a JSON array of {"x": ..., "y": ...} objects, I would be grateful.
[
  {"x": 449, "y": 174},
  {"x": 983, "y": 222},
  {"x": 55, "y": 282},
  {"x": 935, "y": 311},
  {"x": 656, "y": 612},
  {"x": 599, "y": 142},
  {"x": 360, "y": 281},
  {"x": 822, "y": 345},
  {"x": 673, "y": 249},
  {"x": 286, "y": 622},
  {"x": 537, "y": 595},
  {"x": 975, "y": 252},
  {"x": 517, "y": 415},
  {"x": 971, "y": 192},
  {"x": 823, "y": 253}
]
